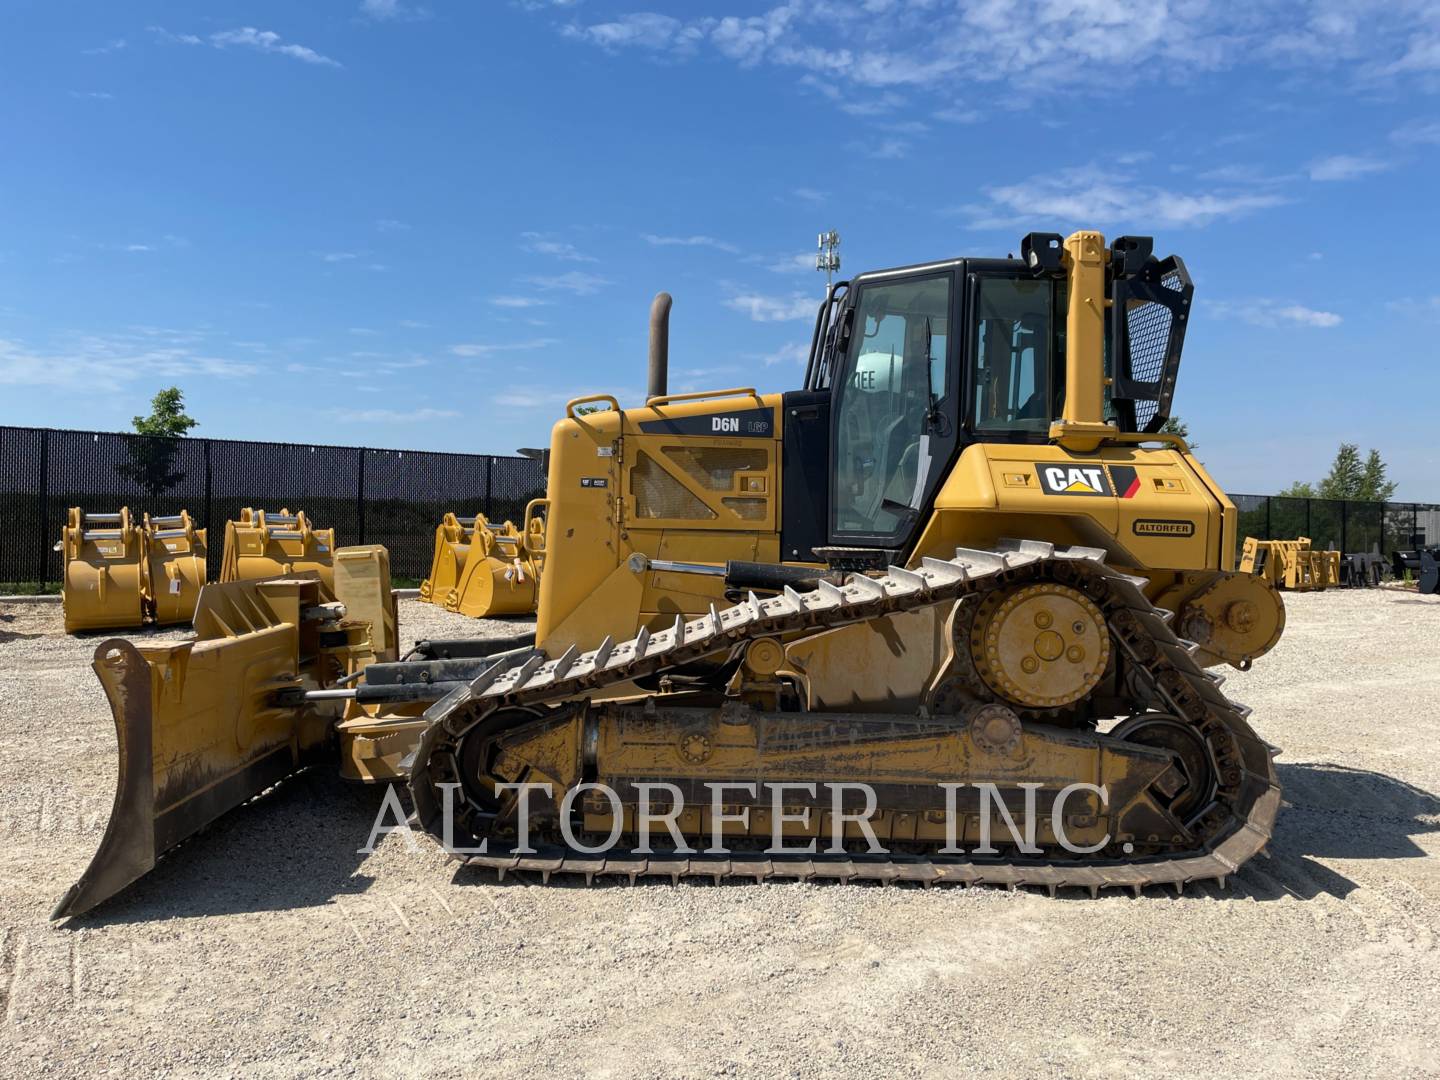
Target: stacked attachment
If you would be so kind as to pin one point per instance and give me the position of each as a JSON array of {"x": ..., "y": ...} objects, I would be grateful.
[
  {"x": 1362, "y": 569},
  {"x": 119, "y": 574},
  {"x": 1290, "y": 564},
  {"x": 480, "y": 570},
  {"x": 265, "y": 544}
]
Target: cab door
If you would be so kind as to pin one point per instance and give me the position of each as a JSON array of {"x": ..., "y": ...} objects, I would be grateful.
[{"x": 894, "y": 419}]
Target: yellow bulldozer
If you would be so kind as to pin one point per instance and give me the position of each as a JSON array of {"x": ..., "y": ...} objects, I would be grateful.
[{"x": 853, "y": 631}]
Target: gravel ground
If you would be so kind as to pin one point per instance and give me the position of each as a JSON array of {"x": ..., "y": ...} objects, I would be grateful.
[{"x": 270, "y": 948}]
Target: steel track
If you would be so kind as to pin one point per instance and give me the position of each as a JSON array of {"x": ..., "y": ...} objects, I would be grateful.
[{"x": 1233, "y": 828}]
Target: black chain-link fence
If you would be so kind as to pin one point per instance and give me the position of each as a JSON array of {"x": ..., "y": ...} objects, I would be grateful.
[
  {"x": 1339, "y": 524},
  {"x": 390, "y": 497},
  {"x": 397, "y": 497}
]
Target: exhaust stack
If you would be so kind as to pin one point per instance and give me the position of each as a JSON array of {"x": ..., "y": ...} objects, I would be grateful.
[{"x": 659, "y": 345}]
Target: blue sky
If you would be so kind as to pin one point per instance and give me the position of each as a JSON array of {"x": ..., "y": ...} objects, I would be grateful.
[{"x": 427, "y": 225}]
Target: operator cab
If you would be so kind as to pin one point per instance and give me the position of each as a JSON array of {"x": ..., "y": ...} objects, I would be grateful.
[{"x": 908, "y": 366}]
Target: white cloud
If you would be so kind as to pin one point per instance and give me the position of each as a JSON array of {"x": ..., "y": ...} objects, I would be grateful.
[
  {"x": 408, "y": 364},
  {"x": 879, "y": 105},
  {"x": 112, "y": 46},
  {"x": 414, "y": 324},
  {"x": 1095, "y": 197},
  {"x": 811, "y": 195},
  {"x": 270, "y": 42},
  {"x": 1304, "y": 316},
  {"x": 1426, "y": 307},
  {"x": 887, "y": 150},
  {"x": 491, "y": 349},
  {"x": 1418, "y": 132},
  {"x": 1274, "y": 313},
  {"x": 1346, "y": 167},
  {"x": 138, "y": 247},
  {"x": 391, "y": 416},
  {"x": 104, "y": 363},
  {"x": 576, "y": 281},
  {"x": 247, "y": 37},
  {"x": 956, "y": 114},
  {"x": 336, "y": 256},
  {"x": 645, "y": 29},
  {"x": 957, "y": 47},
  {"x": 785, "y": 264},
  {"x": 164, "y": 35},
  {"x": 93, "y": 95},
  {"x": 689, "y": 241},
  {"x": 796, "y": 352},
  {"x": 543, "y": 244},
  {"x": 388, "y": 10},
  {"x": 518, "y": 301},
  {"x": 391, "y": 225},
  {"x": 775, "y": 308}
]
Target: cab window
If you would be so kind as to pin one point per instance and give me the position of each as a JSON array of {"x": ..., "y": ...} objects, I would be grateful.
[
  {"x": 895, "y": 386},
  {"x": 1016, "y": 366}
]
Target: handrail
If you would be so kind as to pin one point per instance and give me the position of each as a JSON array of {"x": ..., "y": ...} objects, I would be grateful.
[
  {"x": 1150, "y": 436},
  {"x": 529, "y": 537},
  {"x": 570, "y": 405},
  {"x": 700, "y": 395}
]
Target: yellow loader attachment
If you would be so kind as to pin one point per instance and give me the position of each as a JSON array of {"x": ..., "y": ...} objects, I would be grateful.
[
  {"x": 104, "y": 583},
  {"x": 452, "y": 547},
  {"x": 1290, "y": 564},
  {"x": 502, "y": 566},
  {"x": 264, "y": 544},
  {"x": 204, "y": 726},
  {"x": 174, "y": 567}
]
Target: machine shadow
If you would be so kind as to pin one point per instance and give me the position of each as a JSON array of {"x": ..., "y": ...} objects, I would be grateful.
[
  {"x": 1335, "y": 812},
  {"x": 294, "y": 846},
  {"x": 13, "y": 635}
]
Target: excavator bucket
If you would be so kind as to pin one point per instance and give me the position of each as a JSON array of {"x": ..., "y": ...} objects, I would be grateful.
[
  {"x": 175, "y": 567},
  {"x": 203, "y": 726},
  {"x": 264, "y": 544},
  {"x": 104, "y": 585},
  {"x": 452, "y": 548},
  {"x": 501, "y": 575}
]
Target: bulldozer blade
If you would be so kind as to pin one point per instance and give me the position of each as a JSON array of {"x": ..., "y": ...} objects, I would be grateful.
[{"x": 200, "y": 730}]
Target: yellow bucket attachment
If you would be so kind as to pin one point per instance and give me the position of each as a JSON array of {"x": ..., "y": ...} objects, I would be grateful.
[
  {"x": 1290, "y": 564},
  {"x": 501, "y": 574},
  {"x": 174, "y": 566},
  {"x": 452, "y": 547},
  {"x": 104, "y": 583},
  {"x": 264, "y": 544},
  {"x": 205, "y": 725}
]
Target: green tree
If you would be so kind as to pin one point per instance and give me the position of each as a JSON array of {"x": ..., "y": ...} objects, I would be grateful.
[
  {"x": 151, "y": 464},
  {"x": 1346, "y": 475},
  {"x": 1300, "y": 489},
  {"x": 1373, "y": 485},
  {"x": 1175, "y": 426},
  {"x": 167, "y": 419}
]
